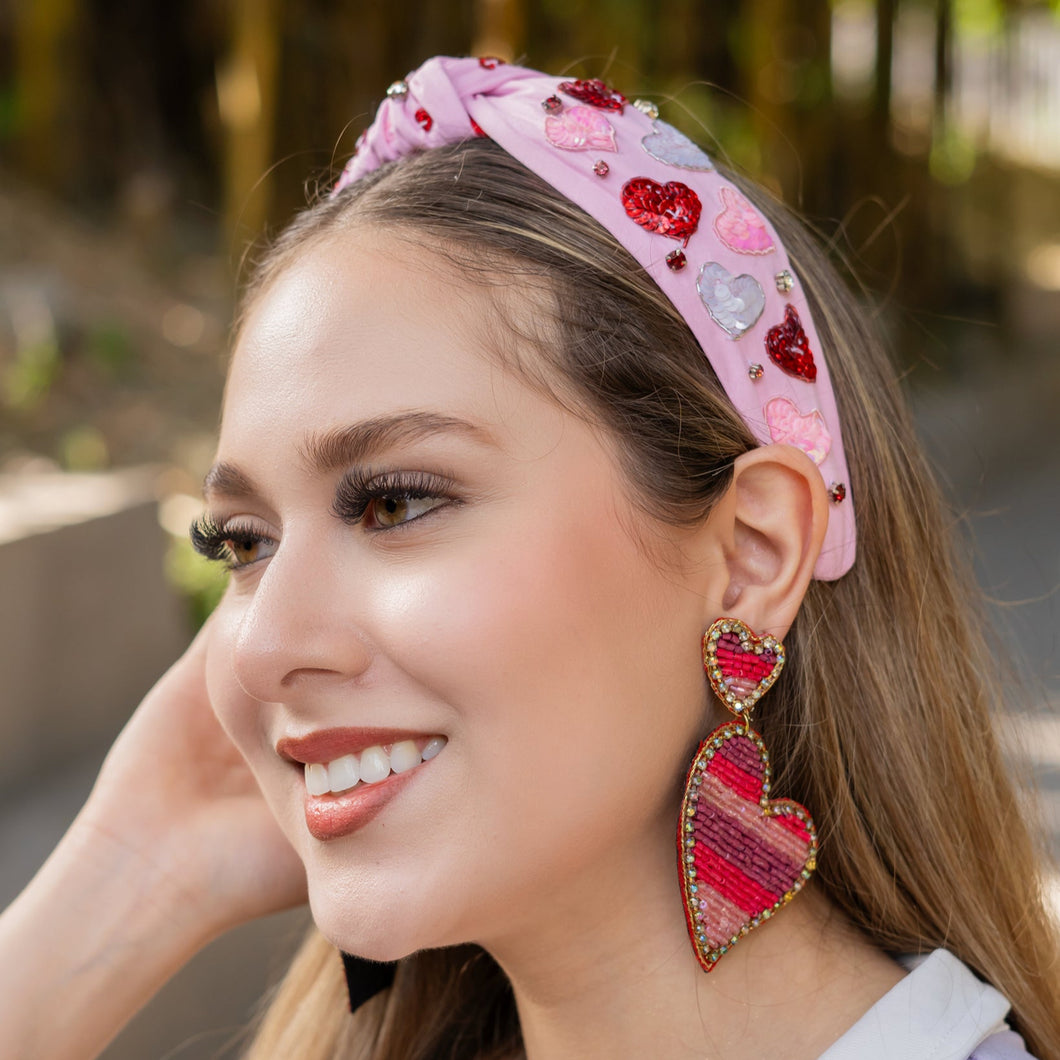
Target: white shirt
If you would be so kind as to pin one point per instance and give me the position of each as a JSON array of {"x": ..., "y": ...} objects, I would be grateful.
[{"x": 939, "y": 1011}]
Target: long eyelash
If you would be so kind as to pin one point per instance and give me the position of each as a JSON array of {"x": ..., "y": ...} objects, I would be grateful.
[
  {"x": 359, "y": 488},
  {"x": 355, "y": 492},
  {"x": 207, "y": 538},
  {"x": 210, "y": 539}
]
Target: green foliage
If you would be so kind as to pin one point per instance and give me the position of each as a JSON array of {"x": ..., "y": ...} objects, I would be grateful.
[
  {"x": 978, "y": 18},
  {"x": 109, "y": 349},
  {"x": 84, "y": 448},
  {"x": 30, "y": 376},
  {"x": 200, "y": 582},
  {"x": 952, "y": 159}
]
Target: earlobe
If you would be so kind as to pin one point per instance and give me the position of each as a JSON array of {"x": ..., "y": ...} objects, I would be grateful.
[{"x": 777, "y": 511}]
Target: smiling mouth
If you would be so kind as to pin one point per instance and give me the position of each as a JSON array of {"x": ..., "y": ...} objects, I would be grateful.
[{"x": 374, "y": 764}]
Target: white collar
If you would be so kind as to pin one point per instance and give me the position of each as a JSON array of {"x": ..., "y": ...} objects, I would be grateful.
[{"x": 939, "y": 1011}]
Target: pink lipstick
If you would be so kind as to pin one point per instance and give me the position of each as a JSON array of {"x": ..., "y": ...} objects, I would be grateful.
[{"x": 351, "y": 774}]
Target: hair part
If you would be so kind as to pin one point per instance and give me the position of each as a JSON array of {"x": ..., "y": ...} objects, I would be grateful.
[{"x": 880, "y": 723}]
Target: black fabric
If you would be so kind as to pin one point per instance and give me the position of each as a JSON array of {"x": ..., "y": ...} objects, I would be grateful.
[{"x": 365, "y": 979}]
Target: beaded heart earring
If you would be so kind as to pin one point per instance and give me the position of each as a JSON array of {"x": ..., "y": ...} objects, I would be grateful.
[{"x": 742, "y": 855}]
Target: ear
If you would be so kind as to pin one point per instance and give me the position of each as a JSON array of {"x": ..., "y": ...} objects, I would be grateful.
[{"x": 770, "y": 526}]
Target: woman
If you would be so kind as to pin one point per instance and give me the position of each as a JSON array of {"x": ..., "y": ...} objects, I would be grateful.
[{"x": 489, "y": 513}]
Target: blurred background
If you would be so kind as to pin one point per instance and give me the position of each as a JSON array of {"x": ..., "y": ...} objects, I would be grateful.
[{"x": 144, "y": 148}]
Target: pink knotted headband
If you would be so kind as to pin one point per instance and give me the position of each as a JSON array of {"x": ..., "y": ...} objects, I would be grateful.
[{"x": 710, "y": 251}]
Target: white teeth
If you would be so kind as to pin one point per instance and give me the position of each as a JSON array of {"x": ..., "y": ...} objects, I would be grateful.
[
  {"x": 372, "y": 766},
  {"x": 343, "y": 773},
  {"x": 434, "y": 745},
  {"x": 375, "y": 765},
  {"x": 316, "y": 779},
  {"x": 404, "y": 756}
]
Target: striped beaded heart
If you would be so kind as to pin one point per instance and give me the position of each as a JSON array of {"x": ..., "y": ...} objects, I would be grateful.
[
  {"x": 742, "y": 856},
  {"x": 741, "y": 666}
]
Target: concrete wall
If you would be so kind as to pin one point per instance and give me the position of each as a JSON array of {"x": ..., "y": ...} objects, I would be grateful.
[{"x": 87, "y": 622}]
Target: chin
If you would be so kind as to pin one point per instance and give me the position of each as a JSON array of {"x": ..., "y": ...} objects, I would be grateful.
[
  {"x": 377, "y": 926},
  {"x": 373, "y": 944}
]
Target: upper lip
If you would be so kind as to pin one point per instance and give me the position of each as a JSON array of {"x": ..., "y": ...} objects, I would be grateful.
[{"x": 329, "y": 744}]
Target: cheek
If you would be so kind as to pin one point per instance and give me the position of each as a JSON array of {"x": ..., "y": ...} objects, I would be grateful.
[
  {"x": 246, "y": 722},
  {"x": 235, "y": 710},
  {"x": 569, "y": 659}
]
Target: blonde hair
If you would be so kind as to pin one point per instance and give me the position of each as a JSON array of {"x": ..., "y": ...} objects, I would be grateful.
[{"x": 881, "y": 722}]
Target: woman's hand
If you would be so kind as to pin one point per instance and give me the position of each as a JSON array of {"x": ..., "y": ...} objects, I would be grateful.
[
  {"x": 177, "y": 794},
  {"x": 174, "y": 846}
]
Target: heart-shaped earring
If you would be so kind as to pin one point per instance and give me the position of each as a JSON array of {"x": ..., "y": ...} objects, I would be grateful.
[{"x": 742, "y": 855}]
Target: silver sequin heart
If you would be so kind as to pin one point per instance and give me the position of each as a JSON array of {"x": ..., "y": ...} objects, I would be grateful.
[
  {"x": 675, "y": 149},
  {"x": 734, "y": 302}
]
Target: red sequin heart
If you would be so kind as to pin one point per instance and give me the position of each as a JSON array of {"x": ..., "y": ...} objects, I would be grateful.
[
  {"x": 671, "y": 209},
  {"x": 789, "y": 348},
  {"x": 424, "y": 119},
  {"x": 742, "y": 856},
  {"x": 595, "y": 93}
]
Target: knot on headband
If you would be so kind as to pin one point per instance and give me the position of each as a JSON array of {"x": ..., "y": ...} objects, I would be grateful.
[{"x": 716, "y": 257}]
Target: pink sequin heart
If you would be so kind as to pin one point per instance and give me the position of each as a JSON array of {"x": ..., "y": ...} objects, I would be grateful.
[
  {"x": 739, "y": 227},
  {"x": 580, "y": 129},
  {"x": 742, "y": 855},
  {"x": 789, "y": 427}
]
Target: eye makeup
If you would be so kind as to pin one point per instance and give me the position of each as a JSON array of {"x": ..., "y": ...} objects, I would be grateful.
[
  {"x": 234, "y": 544},
  {"x": 387, "y": 500},
  {"x": 375, "y": 501}
]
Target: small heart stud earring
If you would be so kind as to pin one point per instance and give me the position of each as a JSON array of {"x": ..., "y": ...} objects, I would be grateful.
[{"x": 742, "y": 855}]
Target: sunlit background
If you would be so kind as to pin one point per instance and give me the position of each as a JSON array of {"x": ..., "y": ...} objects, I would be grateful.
[{"x": 144, "y": 147}]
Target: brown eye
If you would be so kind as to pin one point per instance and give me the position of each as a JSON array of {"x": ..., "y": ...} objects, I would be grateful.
[
  {"x": 393, "y": 511},
  {"x": 233, "y": 544},
  {"x": 244, "y": 550}
]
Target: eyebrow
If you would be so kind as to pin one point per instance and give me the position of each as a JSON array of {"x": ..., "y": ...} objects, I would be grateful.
[
  {"x": 227, "y": 480},
  {"x": 339, "y": 447}
]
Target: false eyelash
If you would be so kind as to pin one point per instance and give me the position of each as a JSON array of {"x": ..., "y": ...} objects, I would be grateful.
[
  {"x": 355, "y": 492},
  {"x": 359, "y": 488},
  {"x": 207, "y": 538},
  {"x": 210, "y": 539}
]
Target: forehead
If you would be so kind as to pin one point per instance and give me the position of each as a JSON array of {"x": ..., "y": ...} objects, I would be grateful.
[{"x": 362, "y": 323}]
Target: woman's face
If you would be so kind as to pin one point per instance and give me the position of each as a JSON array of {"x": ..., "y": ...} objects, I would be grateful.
[{"x": 437, "y": 555}]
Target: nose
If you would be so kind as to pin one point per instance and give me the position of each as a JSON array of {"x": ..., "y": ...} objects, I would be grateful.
[{"x": 300, "y": 625}]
